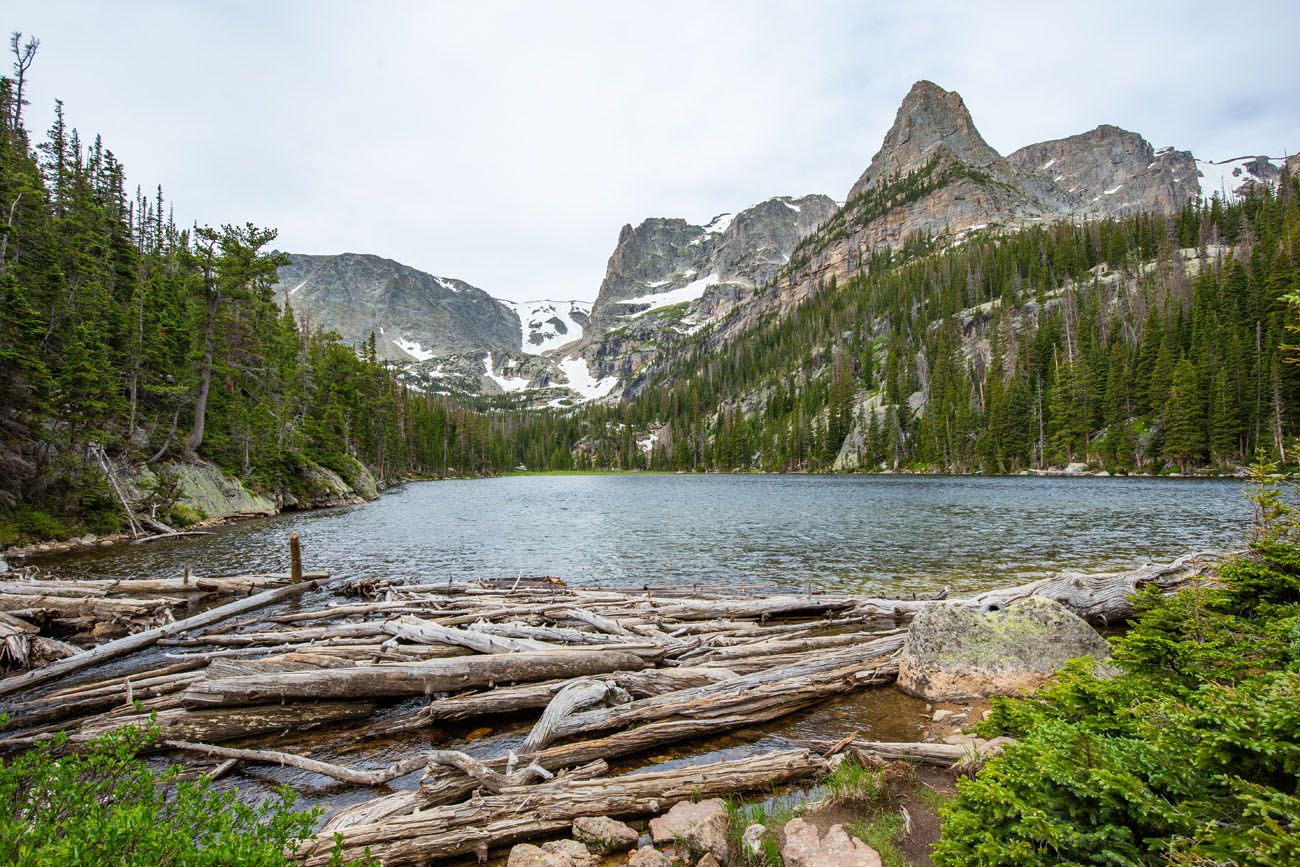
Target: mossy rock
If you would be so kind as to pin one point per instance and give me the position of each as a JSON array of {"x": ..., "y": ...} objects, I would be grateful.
[{"x": 956, "y": 651}]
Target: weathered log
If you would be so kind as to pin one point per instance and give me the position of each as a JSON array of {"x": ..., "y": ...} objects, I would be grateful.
[
  {"x": 771, "y": 701},
  {"x": 221, "y": 724},
  {"x": 130, "y": 643},
  {"x": 406, "y": 679},
  {"x": 913, "y": 751},
  {"x": 1107, "y": 597},
  {"x": 512, "y": 699},
  {"x": 603, "y": 624},
  {"x": 575, "y": 695},
  {"x": 375, "y": 777},
  {"x": 413, "y": 628},
  {"x": 498, "y": 819},
  {"x": 761, "y": 608}
]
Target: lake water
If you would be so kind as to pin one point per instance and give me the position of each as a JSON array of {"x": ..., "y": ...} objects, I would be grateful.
[{"x": 888, "y": 534}]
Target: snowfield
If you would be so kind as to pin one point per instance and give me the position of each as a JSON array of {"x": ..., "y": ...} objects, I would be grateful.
[
  {"x": 539, "y": 333},
  {"x": 411, "y": 348},
  {"x": 582, "y": 382},
  {"x": 690, "y": 292},
  {"x": 508, "y": 384}
]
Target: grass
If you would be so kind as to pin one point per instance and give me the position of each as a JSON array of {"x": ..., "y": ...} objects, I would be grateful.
[
  {"x": 882, "y": 833},
  {"x": 772, "y": 815},
  {"x": 853, "y": 784}
]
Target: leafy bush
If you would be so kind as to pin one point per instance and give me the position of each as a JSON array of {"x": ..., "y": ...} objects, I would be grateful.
[
  {"x": 1189, "y": 754},
  {"x": 104, "y": 806}
]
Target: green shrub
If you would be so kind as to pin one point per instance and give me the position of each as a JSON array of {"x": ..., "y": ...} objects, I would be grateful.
[
  {"x": 1189, "y": 754},
  {"x": 181, "y": 515},
  {"x": 104, "y": 806}
]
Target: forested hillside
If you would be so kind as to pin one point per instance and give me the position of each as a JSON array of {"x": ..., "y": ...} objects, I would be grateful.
[
  {"x": 1149, "y": 343},
  {"x": 121, "y": 330}
]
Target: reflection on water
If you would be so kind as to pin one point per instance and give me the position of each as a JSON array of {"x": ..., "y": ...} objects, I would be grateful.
[{"x": 863, "y": 533}]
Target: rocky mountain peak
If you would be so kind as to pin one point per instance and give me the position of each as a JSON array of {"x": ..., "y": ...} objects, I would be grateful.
[
  {"x": 1110, "y": 171},
  {"x": 928, "y": 119}
]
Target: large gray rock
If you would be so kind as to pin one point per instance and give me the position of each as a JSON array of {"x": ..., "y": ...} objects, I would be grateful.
[
  {"x": 555, "y": 853},
  {"x": 603, "y": 833},
  {"x": 648, "y": 856},
  {"x": 955, "y": 651},
  {"x": 701, "y": 825},
  {"x": 805, "y": 847},
  {"x": 1110, "y": 172}
]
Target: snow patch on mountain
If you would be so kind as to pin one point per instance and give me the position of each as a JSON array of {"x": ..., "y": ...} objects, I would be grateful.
[
  {"x": 548, "y": 325},
  {"x": 508, "y": 384},
  {"x": 582, "y": 382},
  {"x": 1227, "y": 179},
  {"x": 690, "y": 292},
  {"x": 411, "y": 348}
]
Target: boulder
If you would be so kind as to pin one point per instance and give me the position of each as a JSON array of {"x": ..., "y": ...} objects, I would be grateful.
[
  {"x": 555, "y": 853},
  {"x": 956, "y": 651},
  {"x": 648, "y": 856},
  {"x": 805, "y": 847},
  {"x": 701, "y": 825},
  {"x": 751, "y": 842},
  {"x": 604, "y": 834}
]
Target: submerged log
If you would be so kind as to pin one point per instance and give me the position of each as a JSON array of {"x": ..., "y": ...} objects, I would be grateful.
[
  {"x": 407, "y": 679},
  {"x": 498, "y": 819}
]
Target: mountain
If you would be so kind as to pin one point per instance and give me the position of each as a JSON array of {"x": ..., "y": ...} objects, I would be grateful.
[
  {"x": 932, "y": 183},
  {"x": 668, "y": 277},
  {"x": 1110, "y": 172},
  {"x": 414, "y": 316}
]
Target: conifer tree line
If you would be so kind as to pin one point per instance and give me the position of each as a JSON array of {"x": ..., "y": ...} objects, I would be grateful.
[
  {"x": 1147, "y": 344},
  {"x": 123, "y": 331}
]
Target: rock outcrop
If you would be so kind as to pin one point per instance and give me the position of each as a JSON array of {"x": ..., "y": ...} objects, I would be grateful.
[
  {"x": 668, "y": 277},
  {"x": 413, "y": 315},
  {"x": 806, "y": 847},
  {"x": 700, "y": 825},
  {"x": 958, "y": 652},
  {"x": 1110, "y": 172}
]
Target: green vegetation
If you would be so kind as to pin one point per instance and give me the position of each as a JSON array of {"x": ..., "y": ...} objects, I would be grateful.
[
  {"x": 104, "y": 806},
  {"x": 120, "y": 329},
  {"x": 1190, "y": 754}
]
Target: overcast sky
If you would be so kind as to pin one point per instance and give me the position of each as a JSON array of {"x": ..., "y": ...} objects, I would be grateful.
[{"x": 507, "y": 143}]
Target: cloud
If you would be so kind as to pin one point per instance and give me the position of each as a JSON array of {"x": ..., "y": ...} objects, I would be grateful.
[{"x": 507, "y": 142}]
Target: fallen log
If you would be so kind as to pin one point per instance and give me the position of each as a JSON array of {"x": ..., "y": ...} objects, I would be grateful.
[
  {"x": 1107, "y": 597},
  {"x": 413, "y": 628},
  {"x": 512, "y": 699},
  {"x": 407, "y": 679},
  {"x": 131, "y": 643},
  {"x": 216, "y": 725},
  {"x": 499, "y": 819},
  {"x": 441, "y": 788},
  {"x": 342, "y": 773}
]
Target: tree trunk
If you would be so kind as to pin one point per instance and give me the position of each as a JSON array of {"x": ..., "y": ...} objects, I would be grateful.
[{"x": 205, "y": 379}]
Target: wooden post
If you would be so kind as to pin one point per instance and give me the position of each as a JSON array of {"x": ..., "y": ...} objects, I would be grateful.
[{"x": 295, "y": 559}]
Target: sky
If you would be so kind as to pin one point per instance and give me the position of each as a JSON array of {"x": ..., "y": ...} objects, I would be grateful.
[{"x": 506, "y": 143}]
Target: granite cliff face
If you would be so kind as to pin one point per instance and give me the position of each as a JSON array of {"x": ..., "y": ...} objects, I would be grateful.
[
  {"x": 413, "y": 315},
  {"x": 667, "y": 276},
  {"x": 1108, "y": 172}
]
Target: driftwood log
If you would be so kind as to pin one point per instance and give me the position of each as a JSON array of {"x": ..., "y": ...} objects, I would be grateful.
[
  {"x": 123, "y": 646},
  {"x": 527, "y": 811},
  {"x": 423, "y": 678}
]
